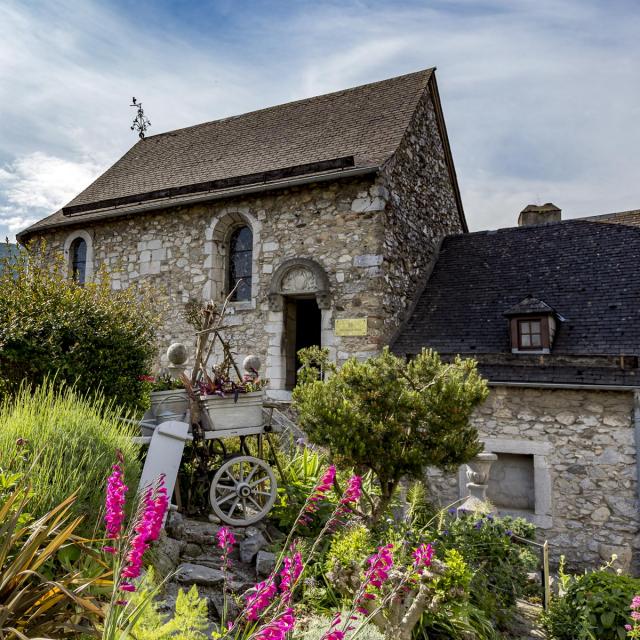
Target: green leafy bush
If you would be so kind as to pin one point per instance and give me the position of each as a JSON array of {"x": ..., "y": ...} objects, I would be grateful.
[
  {"x": 67, "y": 443},
  {"x": 189, "y": 621},
  {"x": 351, "y": 545},
  {"x": 91, "y": 336},
  {"x": 595, "y": 605},
  {"x": 500, "y": 564},
  {"x": 394, "y": 417},
  {"x": 301, "y": 468},
  {"x": 32, "y": 603}
]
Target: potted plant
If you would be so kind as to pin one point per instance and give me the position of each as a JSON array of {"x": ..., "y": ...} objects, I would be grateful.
[
  {"x": 232, "y": 405},
  {"x": 226, "y": 399},
  {"x": 169, "y": 399}
]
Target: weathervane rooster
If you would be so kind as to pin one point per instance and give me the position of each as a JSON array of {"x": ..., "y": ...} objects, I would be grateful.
[{"x": 140, "y": 123}]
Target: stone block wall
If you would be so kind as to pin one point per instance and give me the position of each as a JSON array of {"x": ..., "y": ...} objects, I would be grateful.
[
  {"x": 422, "y": 210},
  {"x": 181, "y": 253},
  {"x": 585, "y": 466}
]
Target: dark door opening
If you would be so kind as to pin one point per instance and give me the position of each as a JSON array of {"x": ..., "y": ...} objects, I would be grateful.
[{"x": 303, "y": 324}]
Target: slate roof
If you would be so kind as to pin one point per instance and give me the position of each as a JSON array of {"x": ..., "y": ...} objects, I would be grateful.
[
  {"x": 585, "y": 270},
  {"x": 528, "y": 306},
  {"x": 359, "y": 127}
]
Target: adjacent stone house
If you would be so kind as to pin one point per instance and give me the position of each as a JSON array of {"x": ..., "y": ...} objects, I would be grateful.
[
  {"x": 323, "y": 210},
  {"x": 551, "y": 311}
]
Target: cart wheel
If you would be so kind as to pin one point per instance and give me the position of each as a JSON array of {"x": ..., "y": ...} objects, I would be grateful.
[{"x": 243, "y": 490}]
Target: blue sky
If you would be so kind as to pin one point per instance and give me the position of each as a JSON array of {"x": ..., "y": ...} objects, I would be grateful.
[{"x": 541, "y": 98}]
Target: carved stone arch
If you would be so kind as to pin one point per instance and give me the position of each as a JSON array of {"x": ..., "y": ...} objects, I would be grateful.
[
  {"x": 299, "y": 276},
  {"x": 216, "y": 251},
  {"x": 87, "y": 237}
]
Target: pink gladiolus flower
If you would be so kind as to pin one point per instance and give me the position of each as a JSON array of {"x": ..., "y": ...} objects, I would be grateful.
[
  {"x": 226, "y": 539},
  {"x": 260, "y": 598},
  {"x": 109, "y": 549},
  {"x": 353, "y": 492},
  {"x": 147, "y": 528},
  {"x": 126, "y": 586},
  {"x": 422, "y": 557},
  {"x": 114, "y": 507},
  {"x": 332, "y": 633},
  {"x": 278, "y": 628},
  {"x": 318, "y": 494},
  {"x": 290, "y": 573}
]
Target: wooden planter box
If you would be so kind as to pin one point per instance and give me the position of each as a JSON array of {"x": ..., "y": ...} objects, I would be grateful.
[{"x": 226, "y": 414}]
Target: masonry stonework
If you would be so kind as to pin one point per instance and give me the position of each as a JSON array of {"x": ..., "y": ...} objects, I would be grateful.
[
  {"x": 373, "y": 237},
  {"x": 422, "y": 210},
  {"x": 584, "y": 444}
]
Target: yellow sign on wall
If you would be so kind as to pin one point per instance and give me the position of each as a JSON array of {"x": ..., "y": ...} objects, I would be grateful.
[{"x": 351, "y": 327}]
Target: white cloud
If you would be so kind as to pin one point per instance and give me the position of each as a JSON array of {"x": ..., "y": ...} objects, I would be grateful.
[
  {"x": 39, "y": 181},
  {"x": 540, "y": 97}
]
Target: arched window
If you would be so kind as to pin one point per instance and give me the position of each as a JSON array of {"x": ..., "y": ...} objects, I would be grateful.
[
  {"x": 240, "y": 258},
  {"x": 78, "y": 256}
]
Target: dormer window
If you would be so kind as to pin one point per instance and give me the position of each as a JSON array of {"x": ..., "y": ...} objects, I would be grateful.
[
  {"x": 530, "y": 334},
  {"x": 532, "y": 326}
]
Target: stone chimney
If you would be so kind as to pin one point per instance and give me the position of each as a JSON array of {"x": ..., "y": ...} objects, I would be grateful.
[{"x": 539, "y": 214}]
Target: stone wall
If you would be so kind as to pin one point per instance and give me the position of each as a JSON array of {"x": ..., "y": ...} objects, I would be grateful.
[
  {"x": 585, "y": 467},
  {"x": 422, "y": 210},
  {"x": 182, "y": 254}
]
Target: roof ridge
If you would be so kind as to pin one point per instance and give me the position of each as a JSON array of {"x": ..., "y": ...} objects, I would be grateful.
[{"x": 427, "y": 72}]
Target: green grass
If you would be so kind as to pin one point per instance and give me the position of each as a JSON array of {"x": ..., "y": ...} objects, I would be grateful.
[{"x": 67, "y": 443}]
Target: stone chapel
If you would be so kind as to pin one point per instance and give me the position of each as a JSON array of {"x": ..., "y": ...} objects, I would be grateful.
[{"x": 327, "y": 211}]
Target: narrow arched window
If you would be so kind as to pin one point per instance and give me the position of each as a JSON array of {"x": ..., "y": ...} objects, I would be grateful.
[
  {"x": 78, "y": 255},
  {"x": 240, "y": 258}
]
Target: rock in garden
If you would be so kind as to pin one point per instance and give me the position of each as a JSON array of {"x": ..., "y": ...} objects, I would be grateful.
[
  {"x": 250, "y": 547},
  {"x": 188, "y": 573},
  {"x": 175, "y": 524},
  {"x": 265, "y": 563},
  {"x": 203, "y": 533},
  {"x": 167, "y": 554}
]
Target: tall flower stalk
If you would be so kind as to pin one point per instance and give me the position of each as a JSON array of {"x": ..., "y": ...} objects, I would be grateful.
[{"x": 127, "y": 547}]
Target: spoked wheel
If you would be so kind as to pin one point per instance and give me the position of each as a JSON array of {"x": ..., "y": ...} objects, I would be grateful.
[{"x": 243, "y": 490}]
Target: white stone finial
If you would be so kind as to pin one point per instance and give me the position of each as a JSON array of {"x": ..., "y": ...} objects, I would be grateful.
[{"x": 177, "y": 354}]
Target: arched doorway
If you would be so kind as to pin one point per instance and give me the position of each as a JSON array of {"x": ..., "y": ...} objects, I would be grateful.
[{"x": 299, "y": 302}]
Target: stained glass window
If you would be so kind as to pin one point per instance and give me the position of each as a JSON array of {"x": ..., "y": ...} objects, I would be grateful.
[
  {"x": 78, "y": 253},
  {"x": 240, "y": 258}
]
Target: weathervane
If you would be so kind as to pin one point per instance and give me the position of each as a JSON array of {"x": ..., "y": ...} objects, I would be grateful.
[{"x": 140, "y": 122}]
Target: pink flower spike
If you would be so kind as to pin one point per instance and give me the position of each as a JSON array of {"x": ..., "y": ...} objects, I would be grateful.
[
  {"x": 278, "y": 628},
  {"x": 226, "y": 539},
  {"x": 319, "y": 493},
  {"x": 111, "y": 550},
  {"x": 126, "y": 586},
  {"x": 290, "y": 573},
  {"x": 260, "y": 598},
  {"x": 115, "y": 501},
  {"x": 422, "y": 556},
  {"x": 353, "y": 492}
]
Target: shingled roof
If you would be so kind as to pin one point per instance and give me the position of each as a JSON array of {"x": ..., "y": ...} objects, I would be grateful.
[
  {"x": 358, "y": 128},
  {"x": 585, "y": 271}
]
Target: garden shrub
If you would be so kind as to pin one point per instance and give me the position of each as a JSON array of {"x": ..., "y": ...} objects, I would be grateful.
[
  {"x": 393, "y": 417},
  {"x": 90, "y": 336},
  {"x": 595, "y": 605},
  {"x": 500, "y": 564},
  {"x": 67, "y": 443},
  {"x": 351, "y": 545}
]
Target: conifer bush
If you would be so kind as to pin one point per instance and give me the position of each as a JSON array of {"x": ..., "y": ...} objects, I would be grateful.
[
  {"x": 86, "y": 335},
  {"x": 392, "y": 417}
]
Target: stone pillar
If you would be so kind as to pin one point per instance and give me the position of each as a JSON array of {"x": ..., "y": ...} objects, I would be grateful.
[{"x": 478, "y": 478}]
